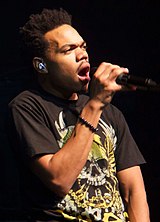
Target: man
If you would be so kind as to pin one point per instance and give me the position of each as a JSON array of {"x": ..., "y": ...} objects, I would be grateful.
[{"x": 76, "y": 156}]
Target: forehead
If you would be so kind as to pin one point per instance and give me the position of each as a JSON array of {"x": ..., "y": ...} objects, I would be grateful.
[{"x": 64, "y": 34}]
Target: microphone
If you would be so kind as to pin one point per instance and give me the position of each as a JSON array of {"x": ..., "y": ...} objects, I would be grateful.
[{"x": 127, "y": 79}]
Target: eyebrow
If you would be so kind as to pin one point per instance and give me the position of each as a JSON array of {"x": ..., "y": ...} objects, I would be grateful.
[{"x": 72, "y": 44}]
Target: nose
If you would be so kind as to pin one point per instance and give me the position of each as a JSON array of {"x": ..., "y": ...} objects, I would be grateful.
[{"x": 81, "y": 54}]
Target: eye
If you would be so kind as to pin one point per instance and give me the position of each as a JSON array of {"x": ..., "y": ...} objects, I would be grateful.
[
  {"x": 84, "y": 47},
  {"x": 69, "y": 49}
]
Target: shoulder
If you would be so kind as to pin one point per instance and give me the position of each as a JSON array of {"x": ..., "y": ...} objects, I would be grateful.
[
  {"x": 32, "y": 100},
  {"x": 113, "y": 111},
  {"x": 112, "y": 115},
  {"x": 26, "y": 96}
]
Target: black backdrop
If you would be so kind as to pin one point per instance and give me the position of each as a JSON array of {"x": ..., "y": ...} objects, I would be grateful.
[{"x": 122, "y": 32}]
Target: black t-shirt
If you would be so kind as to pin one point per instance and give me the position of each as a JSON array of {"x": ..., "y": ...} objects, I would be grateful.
[{"x": 41, "y": 123}]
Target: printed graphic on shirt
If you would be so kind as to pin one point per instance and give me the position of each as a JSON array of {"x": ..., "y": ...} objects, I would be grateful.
[{"x": 95, "y": 195}]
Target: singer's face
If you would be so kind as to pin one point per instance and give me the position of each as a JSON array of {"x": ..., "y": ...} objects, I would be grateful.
[{"x": 67, "y": 62}]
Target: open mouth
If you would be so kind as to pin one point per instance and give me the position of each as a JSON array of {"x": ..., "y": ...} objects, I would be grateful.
[{"x": 83, "y": 74}]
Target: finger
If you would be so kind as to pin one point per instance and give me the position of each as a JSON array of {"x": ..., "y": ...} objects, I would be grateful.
[
  {"x": 104, "y": 69},
  {"x": 116, "y": 71}
]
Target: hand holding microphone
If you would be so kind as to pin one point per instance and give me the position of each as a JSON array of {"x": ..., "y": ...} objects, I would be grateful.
[
  {"x": 131, "y": 80},
  {"x": 109, "y": 78},
  {"x": 103, "y": 81}
]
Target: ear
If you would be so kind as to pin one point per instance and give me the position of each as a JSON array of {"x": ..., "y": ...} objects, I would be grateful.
[{"x": 39, "y": 65}]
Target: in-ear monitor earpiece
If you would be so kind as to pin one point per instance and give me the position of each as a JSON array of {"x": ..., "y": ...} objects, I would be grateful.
[{"x": 41, "y": 66}]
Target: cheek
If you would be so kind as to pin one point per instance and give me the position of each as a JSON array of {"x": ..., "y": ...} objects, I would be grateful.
[
  {"x": 64, "y": 67},
  {"x": 69, "y": 58},
  {"x": 68, "y": 68},
  {"x": 63, "y": 75}
]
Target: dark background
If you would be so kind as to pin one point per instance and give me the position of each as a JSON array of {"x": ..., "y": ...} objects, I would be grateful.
[{"x": 121, "y": 32}]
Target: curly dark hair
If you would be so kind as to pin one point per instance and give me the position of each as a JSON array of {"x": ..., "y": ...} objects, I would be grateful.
[{"x": 38, "y": 24}]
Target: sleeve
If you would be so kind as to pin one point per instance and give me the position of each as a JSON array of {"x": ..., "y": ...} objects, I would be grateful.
[
  {"x": 30, "y": 129},
  {"x": 127, "y": 153}
]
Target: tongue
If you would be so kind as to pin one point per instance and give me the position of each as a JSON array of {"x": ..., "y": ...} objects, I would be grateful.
[
  {"x": 84, "y": 78},
  {"x": 84, "y": 75}
]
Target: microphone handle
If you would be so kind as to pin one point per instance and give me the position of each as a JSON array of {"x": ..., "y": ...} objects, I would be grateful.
[{"x": 126, "y": 79}]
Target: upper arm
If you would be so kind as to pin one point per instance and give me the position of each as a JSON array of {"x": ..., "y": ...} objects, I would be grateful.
[
  {"x": 43, "y": 166},
  {"x": 131, "y": 182},
  {"x": 40, "y": 165}
]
